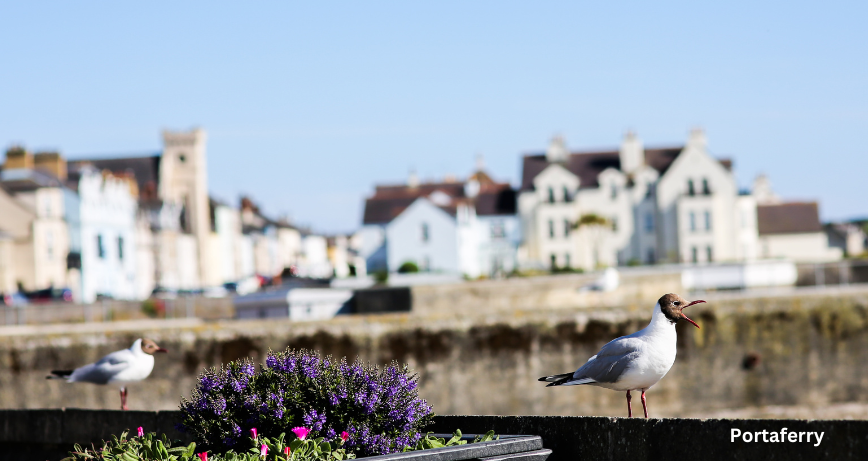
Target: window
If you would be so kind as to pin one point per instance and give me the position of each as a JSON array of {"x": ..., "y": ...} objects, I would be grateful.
[
  {"x": 614, "y": 192},
  {"x": 551, "y": 229},
  {"x": 567, "y": 197},
  {"x": 692, "y": 222},
  {"x": 694, "y": 255},
  {"x": 705, "y": 189},
  {"x": 567, "y": 227},
  {"x": 100, "y": 250},
  {"x": 707, "y": 220},
  {"x": 425, "y": 235},
  {"x": 182, "y": 158},
  {"x": 614, "y": 221},
  {"x": 709, "y": 254},
  {"x": 426, "y": 264},
  {"x": 554, "y": 261},
  {"x": 49, "y": 245},
  {"x": 497, "y": 230},
  {"x": 120, "y": 248},
  {"x": 650, "y": 256},
  {"x": 690, "y": 190},
  {"x": 551, "y": 195},
  {"x": 649, "y": 222},
  {"x": 567, "y": 260}
]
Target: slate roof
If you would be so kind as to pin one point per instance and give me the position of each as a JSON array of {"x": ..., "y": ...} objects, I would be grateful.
[
  {"x": 145, "y": 169},
  {"x": 588, "y": 165},
  {"x": 788, "y": 218},
  {"x": 390, "y": 201}
]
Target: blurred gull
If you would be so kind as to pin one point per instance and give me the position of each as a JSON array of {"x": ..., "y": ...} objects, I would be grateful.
[
  {"x": 608, "y": 281},
  {"x": 121, "y": 367}
]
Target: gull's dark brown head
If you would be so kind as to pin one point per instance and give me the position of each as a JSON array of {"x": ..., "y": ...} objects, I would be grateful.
[
  {"x": 150, "y": 347},
  {"x": 673, "y": 306}
]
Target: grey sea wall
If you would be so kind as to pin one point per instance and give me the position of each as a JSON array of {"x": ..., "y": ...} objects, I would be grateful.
[{"x": 803, "y": 348}]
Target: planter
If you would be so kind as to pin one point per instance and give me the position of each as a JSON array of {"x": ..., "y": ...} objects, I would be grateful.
[{"x": 508, "y": 447}]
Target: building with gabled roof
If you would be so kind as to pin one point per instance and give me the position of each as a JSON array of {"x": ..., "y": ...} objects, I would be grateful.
[
  {"x": 585, "y": 209},
  {"x": 790, "y": 230},
  {"x": 467, "y": 227}
]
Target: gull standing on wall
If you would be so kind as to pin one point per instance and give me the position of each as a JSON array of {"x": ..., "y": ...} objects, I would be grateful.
[
  {"x": 634, "y": 362},
  {"x": 119, "y": 367}
]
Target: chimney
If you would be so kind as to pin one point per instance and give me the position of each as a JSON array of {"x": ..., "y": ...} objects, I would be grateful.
[
  {"x": 413, "y": 180},
  {"x": 762, "y": 191},
  {"x": 51, "y": 162},
  {"x": 557, "y": 151},
  {"x": 18, "y": 157},
  {"x": 631, "y": 153},
  {"x": 697, "y": 139}
]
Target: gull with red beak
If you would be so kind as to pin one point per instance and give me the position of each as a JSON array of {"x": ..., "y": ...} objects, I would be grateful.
[
  {"x": 634, "y": 362},
  {"x": 119, "y": 367}
]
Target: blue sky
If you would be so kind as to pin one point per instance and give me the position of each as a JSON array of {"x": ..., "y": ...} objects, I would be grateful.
[{"x": 309, "y": 105}]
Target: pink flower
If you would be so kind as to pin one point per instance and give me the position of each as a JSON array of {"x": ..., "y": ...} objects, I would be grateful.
[
  {"x": 286, "y": 451},
  {"x": 301, "y": 432},
  {"x": 344, "y": 436},
  {"x": 141, "y": 432},
  {"x": 203, "y": 456},
  {"x": 263, "y": 450},
  {"x": 253, "y": 433}
]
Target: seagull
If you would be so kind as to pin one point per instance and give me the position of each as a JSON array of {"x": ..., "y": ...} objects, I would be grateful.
[
  {"x": 634, "y": 362},
  {"x": 123, "y": 366}
]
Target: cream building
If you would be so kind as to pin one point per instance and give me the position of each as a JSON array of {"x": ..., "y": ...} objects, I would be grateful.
[
  {"x": 589, "y": 209},
  {"x": 34, "y": 207},
  {"x": 790, "y": 230}
]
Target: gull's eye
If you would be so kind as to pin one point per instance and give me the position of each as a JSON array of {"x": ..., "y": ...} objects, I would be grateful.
[{"x": 677, "y": 303}]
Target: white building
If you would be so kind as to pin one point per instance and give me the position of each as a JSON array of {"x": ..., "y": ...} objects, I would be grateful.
[
  {"x": 790, "y": 230},
  {"x": 107, "y": 220},
  {"x": 465, "y": 228},
  {"x": 633, "y": 205}
]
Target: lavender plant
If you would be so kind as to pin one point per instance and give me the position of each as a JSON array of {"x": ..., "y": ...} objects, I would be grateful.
[{"x": 379, "y": 408}]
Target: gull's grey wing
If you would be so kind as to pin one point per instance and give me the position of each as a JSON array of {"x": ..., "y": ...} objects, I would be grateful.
[
  {"x": 610, "y": 363},
  {"x": 104, "y": 369}
]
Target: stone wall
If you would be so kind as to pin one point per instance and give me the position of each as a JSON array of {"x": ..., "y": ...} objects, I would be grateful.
[
  {"x": 50, "y": 434},
  {"x": 807, "y": 348}
]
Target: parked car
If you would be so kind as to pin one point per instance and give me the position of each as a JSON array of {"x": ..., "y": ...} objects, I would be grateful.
[
  {"x": 49, "y": 295},
  {"x": 164, "y": 293},
  {"x": 13, "y": 299}
]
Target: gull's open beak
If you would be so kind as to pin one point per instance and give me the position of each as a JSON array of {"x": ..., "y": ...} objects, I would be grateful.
[
  {"x": 162, "y": 350},
  {"x": 687, "y": 318}
]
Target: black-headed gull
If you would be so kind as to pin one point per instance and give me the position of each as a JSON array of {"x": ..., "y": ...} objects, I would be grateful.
[
  {"x": 634, "y": 362},
  {"x": 121, "y": 367}
]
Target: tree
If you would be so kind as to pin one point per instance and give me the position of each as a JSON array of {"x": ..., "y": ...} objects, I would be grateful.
[{"x": 596, "y": 226}]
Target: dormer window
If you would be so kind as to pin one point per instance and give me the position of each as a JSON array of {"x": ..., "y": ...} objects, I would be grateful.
[
  {"x": 567, "y": 197},
  {"x": 614, "y": 192},
  {"x": 705, "y": 189},
  {"x": 690, "y": 189},
  {"x": 551, "y": 195}
]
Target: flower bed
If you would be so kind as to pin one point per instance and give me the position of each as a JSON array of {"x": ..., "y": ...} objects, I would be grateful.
[{"x": 297, "y": 406}]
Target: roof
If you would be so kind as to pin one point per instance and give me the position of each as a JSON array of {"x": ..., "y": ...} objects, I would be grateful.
[
  {"x": 588, "y": 165},
  {"x": 390, "y": 201},
  {"x": 26, "y": 180},
  {"x": 145, "y": 169},
  {"x": 788, "y": 218}
]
